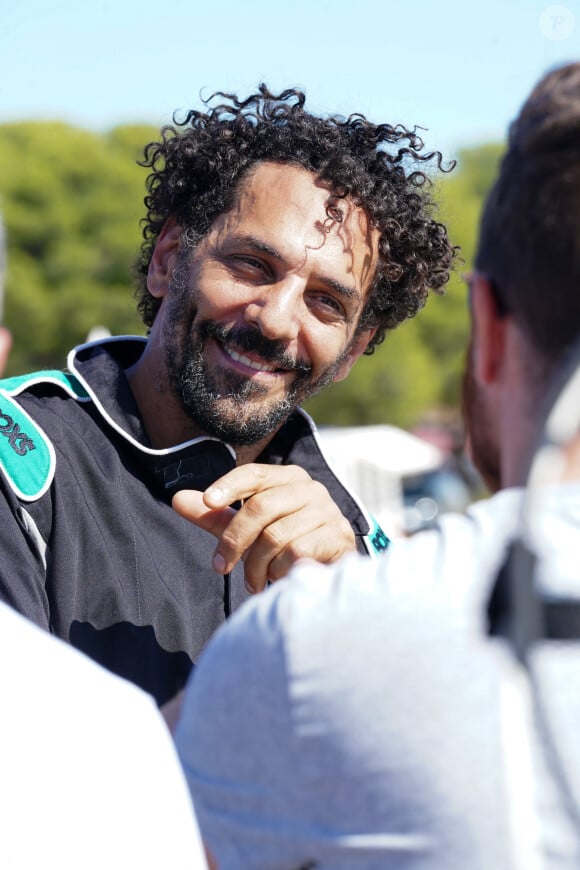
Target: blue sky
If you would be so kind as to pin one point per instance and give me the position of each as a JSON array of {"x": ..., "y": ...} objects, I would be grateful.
[{"x": 460, "y": 69}]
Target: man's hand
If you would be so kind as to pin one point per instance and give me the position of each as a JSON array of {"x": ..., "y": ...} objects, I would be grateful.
[{"x": 285, "y": 516}]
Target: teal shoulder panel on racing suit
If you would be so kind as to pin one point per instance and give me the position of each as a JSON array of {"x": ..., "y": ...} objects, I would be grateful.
[{"x": 27, "y": 456}]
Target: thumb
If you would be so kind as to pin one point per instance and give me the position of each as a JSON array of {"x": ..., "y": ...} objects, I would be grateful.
[{"x": 189, "y": 504}]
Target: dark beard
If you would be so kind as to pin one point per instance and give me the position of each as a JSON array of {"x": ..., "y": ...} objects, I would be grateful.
[
  {"x": 222, "y": 403},
  {"x": 484, "y": 450}
]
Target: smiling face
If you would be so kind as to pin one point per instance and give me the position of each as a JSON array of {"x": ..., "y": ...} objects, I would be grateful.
[{"x": 264, "y": 311}]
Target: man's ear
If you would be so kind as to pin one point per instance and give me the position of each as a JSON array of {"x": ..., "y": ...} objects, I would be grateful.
[
  {"x": 488, "y": 331},
  {"x": 163, "y": 259},
  {"x": 356, "y": 349}
]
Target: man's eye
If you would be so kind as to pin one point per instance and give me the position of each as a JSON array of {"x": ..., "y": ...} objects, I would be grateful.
[
  {"x": 249, "y": 261},
  {"x": 249, "y": 268},
  {"x": 329, "y": 304}
]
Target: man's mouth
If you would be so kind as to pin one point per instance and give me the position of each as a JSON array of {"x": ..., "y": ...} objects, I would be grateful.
[
  {"x": 248, "y": 348},
  {"x": 251, "y": 364}
]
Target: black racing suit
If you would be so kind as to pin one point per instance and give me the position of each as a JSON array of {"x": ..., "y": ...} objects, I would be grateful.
[{"x": 91, "y": 548}]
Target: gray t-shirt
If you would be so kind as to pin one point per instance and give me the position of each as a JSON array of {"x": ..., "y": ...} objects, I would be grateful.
[{"x": 355, "y": 716}]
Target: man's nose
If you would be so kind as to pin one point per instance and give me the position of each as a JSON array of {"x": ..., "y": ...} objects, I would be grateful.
[{"x": 278, "y": 308}]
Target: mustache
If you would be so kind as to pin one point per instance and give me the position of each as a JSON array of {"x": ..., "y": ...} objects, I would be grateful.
[{"x": 251, "y": 339}]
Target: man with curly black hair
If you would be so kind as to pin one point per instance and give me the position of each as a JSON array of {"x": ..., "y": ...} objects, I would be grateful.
[{"x": 278, "y": 247}]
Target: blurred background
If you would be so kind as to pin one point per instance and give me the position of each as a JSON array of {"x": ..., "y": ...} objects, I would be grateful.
[{"x": 83, "y": 87}]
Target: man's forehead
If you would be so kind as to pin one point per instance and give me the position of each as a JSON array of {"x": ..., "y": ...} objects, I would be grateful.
[
  {"x": 289, "y": 187},
  {"x": 284, "y": 197}
]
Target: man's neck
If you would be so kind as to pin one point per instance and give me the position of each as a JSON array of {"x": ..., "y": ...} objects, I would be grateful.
[
  {"x": 163, "y": 418},
  {"x": 250, "y": 453}
]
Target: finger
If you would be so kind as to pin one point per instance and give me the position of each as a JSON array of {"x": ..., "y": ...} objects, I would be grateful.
[
  {"x": 246, "y": 480},
  {"x": 190, "y": 504},
  {"x": 278, "y": 538},
  {"x": 325, "y": 544},
  {"x": 259, "y": 512}
]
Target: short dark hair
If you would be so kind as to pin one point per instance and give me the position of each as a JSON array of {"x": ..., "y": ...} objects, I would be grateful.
[
  {"x": 529, "y": 241},
  {"x": 198, "y": 164}
]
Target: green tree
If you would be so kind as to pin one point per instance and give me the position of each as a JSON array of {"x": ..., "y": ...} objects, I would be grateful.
[
  {"x": 391, "y": 386},
  {"x": 71, "y": 202}
]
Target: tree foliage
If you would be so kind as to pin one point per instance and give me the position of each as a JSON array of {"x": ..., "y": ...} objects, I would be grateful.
[{"x": 72, "y": 201}]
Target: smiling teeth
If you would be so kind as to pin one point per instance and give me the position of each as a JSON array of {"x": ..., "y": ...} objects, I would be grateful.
[{"x": 259, "y": 367}]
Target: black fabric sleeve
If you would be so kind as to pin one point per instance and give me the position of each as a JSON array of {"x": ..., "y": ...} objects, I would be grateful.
[{"x": 22, "y": 569}]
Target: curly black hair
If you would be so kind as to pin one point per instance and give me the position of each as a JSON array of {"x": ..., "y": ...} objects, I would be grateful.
[{"x": 198, "y": 164}]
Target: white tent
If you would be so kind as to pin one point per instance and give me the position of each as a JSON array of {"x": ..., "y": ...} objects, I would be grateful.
[{"x": 373, "y": 460}]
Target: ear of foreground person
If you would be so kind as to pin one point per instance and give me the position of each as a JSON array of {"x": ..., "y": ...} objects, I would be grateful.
[
  {"x": 383, "y": 714},
  {"x": 88, "y": 773}
]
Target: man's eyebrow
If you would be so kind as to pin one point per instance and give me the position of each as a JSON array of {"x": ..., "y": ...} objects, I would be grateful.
[{"x": 257, "y": 245}]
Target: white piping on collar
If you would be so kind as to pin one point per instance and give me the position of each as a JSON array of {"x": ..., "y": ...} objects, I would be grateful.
[{"x": 71, "y": 360}]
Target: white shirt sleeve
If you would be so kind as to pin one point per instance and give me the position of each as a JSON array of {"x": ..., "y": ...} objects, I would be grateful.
[{"x": 89, "y": 775}]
